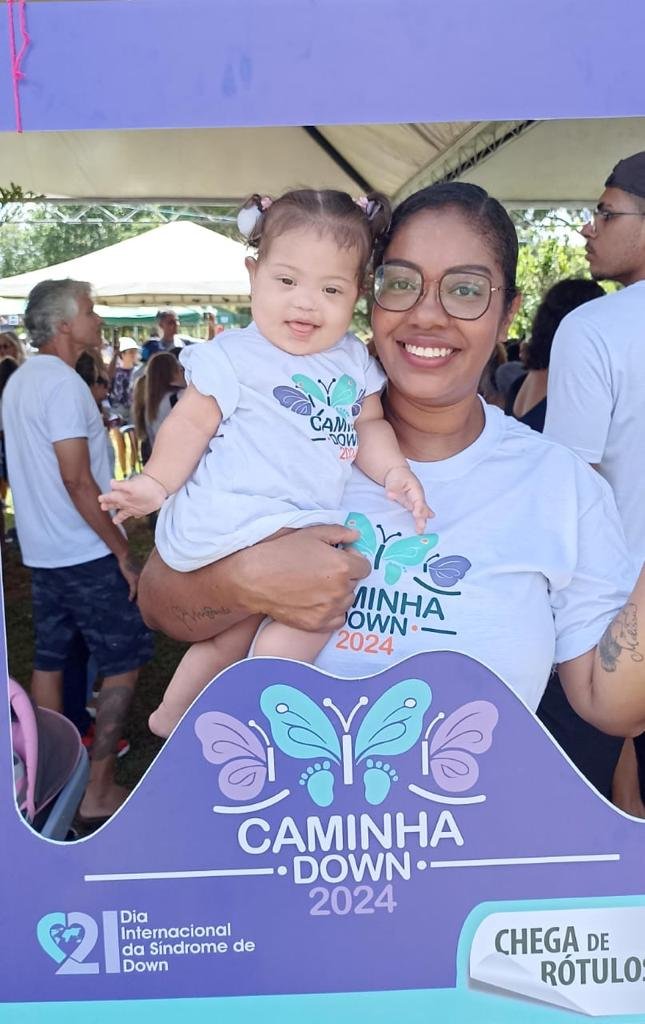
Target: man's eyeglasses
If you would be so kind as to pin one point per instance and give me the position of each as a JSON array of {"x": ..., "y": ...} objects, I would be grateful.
[
  {"x": 399, "y": 286},
  {"x": 597, "y": 216}
]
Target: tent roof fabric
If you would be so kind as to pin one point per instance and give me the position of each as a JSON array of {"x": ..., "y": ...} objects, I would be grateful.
[
  {"x": 175, "y": 263},
  {"x": 522, "y": 163}
]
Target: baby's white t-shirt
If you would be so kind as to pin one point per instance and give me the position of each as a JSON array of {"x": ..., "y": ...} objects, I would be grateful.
[
  {"x": 283, "y": 453},
  {"x": 525, "y": 564}
]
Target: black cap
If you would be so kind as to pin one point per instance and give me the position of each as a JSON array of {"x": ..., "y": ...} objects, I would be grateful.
[{"x": 629, "y": 175}]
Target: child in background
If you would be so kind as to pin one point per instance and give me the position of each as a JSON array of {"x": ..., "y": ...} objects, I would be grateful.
[{"x": 273, "y": 417}]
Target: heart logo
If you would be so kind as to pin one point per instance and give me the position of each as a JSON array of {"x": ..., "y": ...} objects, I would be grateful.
[
  {"x": 67, "y": 939},
  {"x": 59, "y": 935}
]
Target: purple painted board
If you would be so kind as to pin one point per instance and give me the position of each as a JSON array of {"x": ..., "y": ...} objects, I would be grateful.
[
  {"x": 311, "y": 820},
  {"x": 189, "y": 63}
]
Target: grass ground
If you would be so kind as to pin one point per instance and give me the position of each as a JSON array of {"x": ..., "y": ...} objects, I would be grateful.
[{"x": 153, "y": 678}]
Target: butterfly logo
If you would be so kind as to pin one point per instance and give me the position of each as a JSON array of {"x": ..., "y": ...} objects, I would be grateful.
[
  {"x": 342, "y": 394},
  {"x": 447, "y": 571},
  {"x": 395, "y": 555},
  {"x": 247, "y": 763},
  {"x": 301, "y": 729},
  {"x": 448, "y": 755}
]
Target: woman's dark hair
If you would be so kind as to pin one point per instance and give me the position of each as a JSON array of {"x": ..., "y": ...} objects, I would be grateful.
[
  {"x": 484, "y": 213},
  {"x": 8, "y": 365},
  {"x": 558, "y": 301},
  {"x": 350, "y": 224}
]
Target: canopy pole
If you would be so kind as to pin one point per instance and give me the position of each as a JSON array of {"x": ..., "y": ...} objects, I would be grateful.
[{"x": 337, "y": 157}]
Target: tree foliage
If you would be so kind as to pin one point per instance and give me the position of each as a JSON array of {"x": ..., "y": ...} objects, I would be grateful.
[
  {"x": 40, "y": 241},
  {"x": 550, "y": 250}
]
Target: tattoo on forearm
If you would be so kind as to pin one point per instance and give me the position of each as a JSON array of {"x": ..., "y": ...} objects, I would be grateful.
[
  {"x": 112, "y": 708},
  {"x": 621, "y": 635},
  {"x": 190, "y": 617}
]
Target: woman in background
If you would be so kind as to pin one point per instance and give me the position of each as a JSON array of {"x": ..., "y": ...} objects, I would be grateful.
[{"x": 526, "y": 399}]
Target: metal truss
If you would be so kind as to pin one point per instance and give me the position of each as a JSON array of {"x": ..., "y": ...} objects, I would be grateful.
[
  {"x": 75, "y": 211},
  {"x": 470, "y": 150}
]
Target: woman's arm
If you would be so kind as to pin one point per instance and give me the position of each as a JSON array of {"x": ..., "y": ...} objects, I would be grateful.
[
  {"x": 300, "y": 578},
  {"x": 606, "y": 686}
]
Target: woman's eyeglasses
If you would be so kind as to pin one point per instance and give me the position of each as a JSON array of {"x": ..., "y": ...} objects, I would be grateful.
[{"x": 399, "y": 286}]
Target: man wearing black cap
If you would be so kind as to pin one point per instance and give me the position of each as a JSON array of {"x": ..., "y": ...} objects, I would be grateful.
[{"x": 596, "y": 389}]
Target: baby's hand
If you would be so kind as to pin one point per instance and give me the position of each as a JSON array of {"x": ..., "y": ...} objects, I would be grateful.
[
  {"x": 403, "y": 486},
  {"x": 136, "y": 497}
]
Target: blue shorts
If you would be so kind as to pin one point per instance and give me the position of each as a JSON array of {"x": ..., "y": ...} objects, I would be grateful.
[{"x": 91, "y": 599}]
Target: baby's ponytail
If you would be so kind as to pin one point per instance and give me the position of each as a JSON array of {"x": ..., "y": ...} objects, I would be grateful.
[
  {"x": 378, "y": 211},
  {"x": 251, "y": 217}
]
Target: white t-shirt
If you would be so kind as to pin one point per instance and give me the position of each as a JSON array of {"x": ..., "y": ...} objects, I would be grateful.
[
  {"x": 283, "y": 454},
  {"x": 46, "y": 401},
  {"x": 525, "y": 565},
  {"x": 596, "y": 398}
]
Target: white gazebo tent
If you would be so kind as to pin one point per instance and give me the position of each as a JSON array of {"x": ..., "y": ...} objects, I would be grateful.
[{"x": 177, "y": 263}]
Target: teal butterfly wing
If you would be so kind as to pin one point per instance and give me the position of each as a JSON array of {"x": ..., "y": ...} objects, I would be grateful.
[
  {"x": 367, "y": 543},
  {"x": 344, "y": 392},
  {"x": 394, "y": 722},
  {"x": 310, "y": 388},
  {"x": 409, "y": 551},
  {"x": 299, "y": 727}
]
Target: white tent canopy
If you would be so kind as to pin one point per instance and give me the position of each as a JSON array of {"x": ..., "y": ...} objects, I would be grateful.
[
  {"x": 546, "y": 163},
  {"x": 175, "y": 263}
]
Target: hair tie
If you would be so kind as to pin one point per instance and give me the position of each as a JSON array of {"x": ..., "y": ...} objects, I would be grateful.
[
  {"x": 370, "y": 207},
  {"x": 250, "y": 215}
]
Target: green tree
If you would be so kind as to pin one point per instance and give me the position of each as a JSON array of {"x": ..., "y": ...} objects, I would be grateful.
[
  {"x": 40, "y": 241},
  {"x": 550, "y": 250}
]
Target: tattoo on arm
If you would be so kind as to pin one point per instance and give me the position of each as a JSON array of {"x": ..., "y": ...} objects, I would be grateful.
[
  {"x": 190, "y": 617},
  {"x": 621, "y": 635},
  {"x": 111, "y": 712}
]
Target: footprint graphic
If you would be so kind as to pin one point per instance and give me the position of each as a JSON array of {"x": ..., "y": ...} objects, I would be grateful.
[
  {"x": 320, "y": 783},
  {"x": 377, "y": 780}
]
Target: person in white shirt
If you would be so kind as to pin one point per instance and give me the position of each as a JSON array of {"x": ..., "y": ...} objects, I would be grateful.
[
  {"x": 528, "y": 565},
  {"x": 596, "y": 390},
  {"x": 83, "y": 577}
]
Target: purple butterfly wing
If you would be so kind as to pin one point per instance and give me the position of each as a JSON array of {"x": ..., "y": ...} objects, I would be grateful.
[
  {"x": 293, "y": 399},
  {"x": 224, "y": 737},
  {"x": 466, "y": 731},
  {"x": 242, "y": 778},
  {"x": 227, "y": 741},
  {"x": 454, "y": 770},
  {"x": 358, "y": 404},
  {"x": 445, "y": 572}
]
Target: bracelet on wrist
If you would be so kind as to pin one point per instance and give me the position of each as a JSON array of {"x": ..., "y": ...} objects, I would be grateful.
[{"x": 151, "y": 477}]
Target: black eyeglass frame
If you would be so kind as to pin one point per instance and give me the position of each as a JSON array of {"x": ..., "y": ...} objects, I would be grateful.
[
  {"x": 438, "y": 281},
  {"x": 608, "y": 215}
]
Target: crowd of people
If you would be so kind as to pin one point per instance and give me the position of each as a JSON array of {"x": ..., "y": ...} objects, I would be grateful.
[{"x": 527, "y": 467}]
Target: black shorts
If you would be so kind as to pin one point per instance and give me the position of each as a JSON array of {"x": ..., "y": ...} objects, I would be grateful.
[{"x": 91, "y": 599}]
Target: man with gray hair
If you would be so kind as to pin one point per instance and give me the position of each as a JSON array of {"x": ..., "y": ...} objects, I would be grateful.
[
  {"x": 167, "y": 325},
  {"x": 83, "y": 578}
]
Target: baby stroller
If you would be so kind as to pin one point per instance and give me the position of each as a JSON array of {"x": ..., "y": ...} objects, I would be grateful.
[{"x": 51, "y": 766}]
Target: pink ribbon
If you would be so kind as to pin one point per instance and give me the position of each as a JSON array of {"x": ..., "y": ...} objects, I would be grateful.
[{"x": 17, "y": 56}]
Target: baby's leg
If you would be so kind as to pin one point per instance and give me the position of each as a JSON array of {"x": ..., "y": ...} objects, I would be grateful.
[
  {"x": 279, "y": 641},
  {"x": 199, "y": 664}
]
